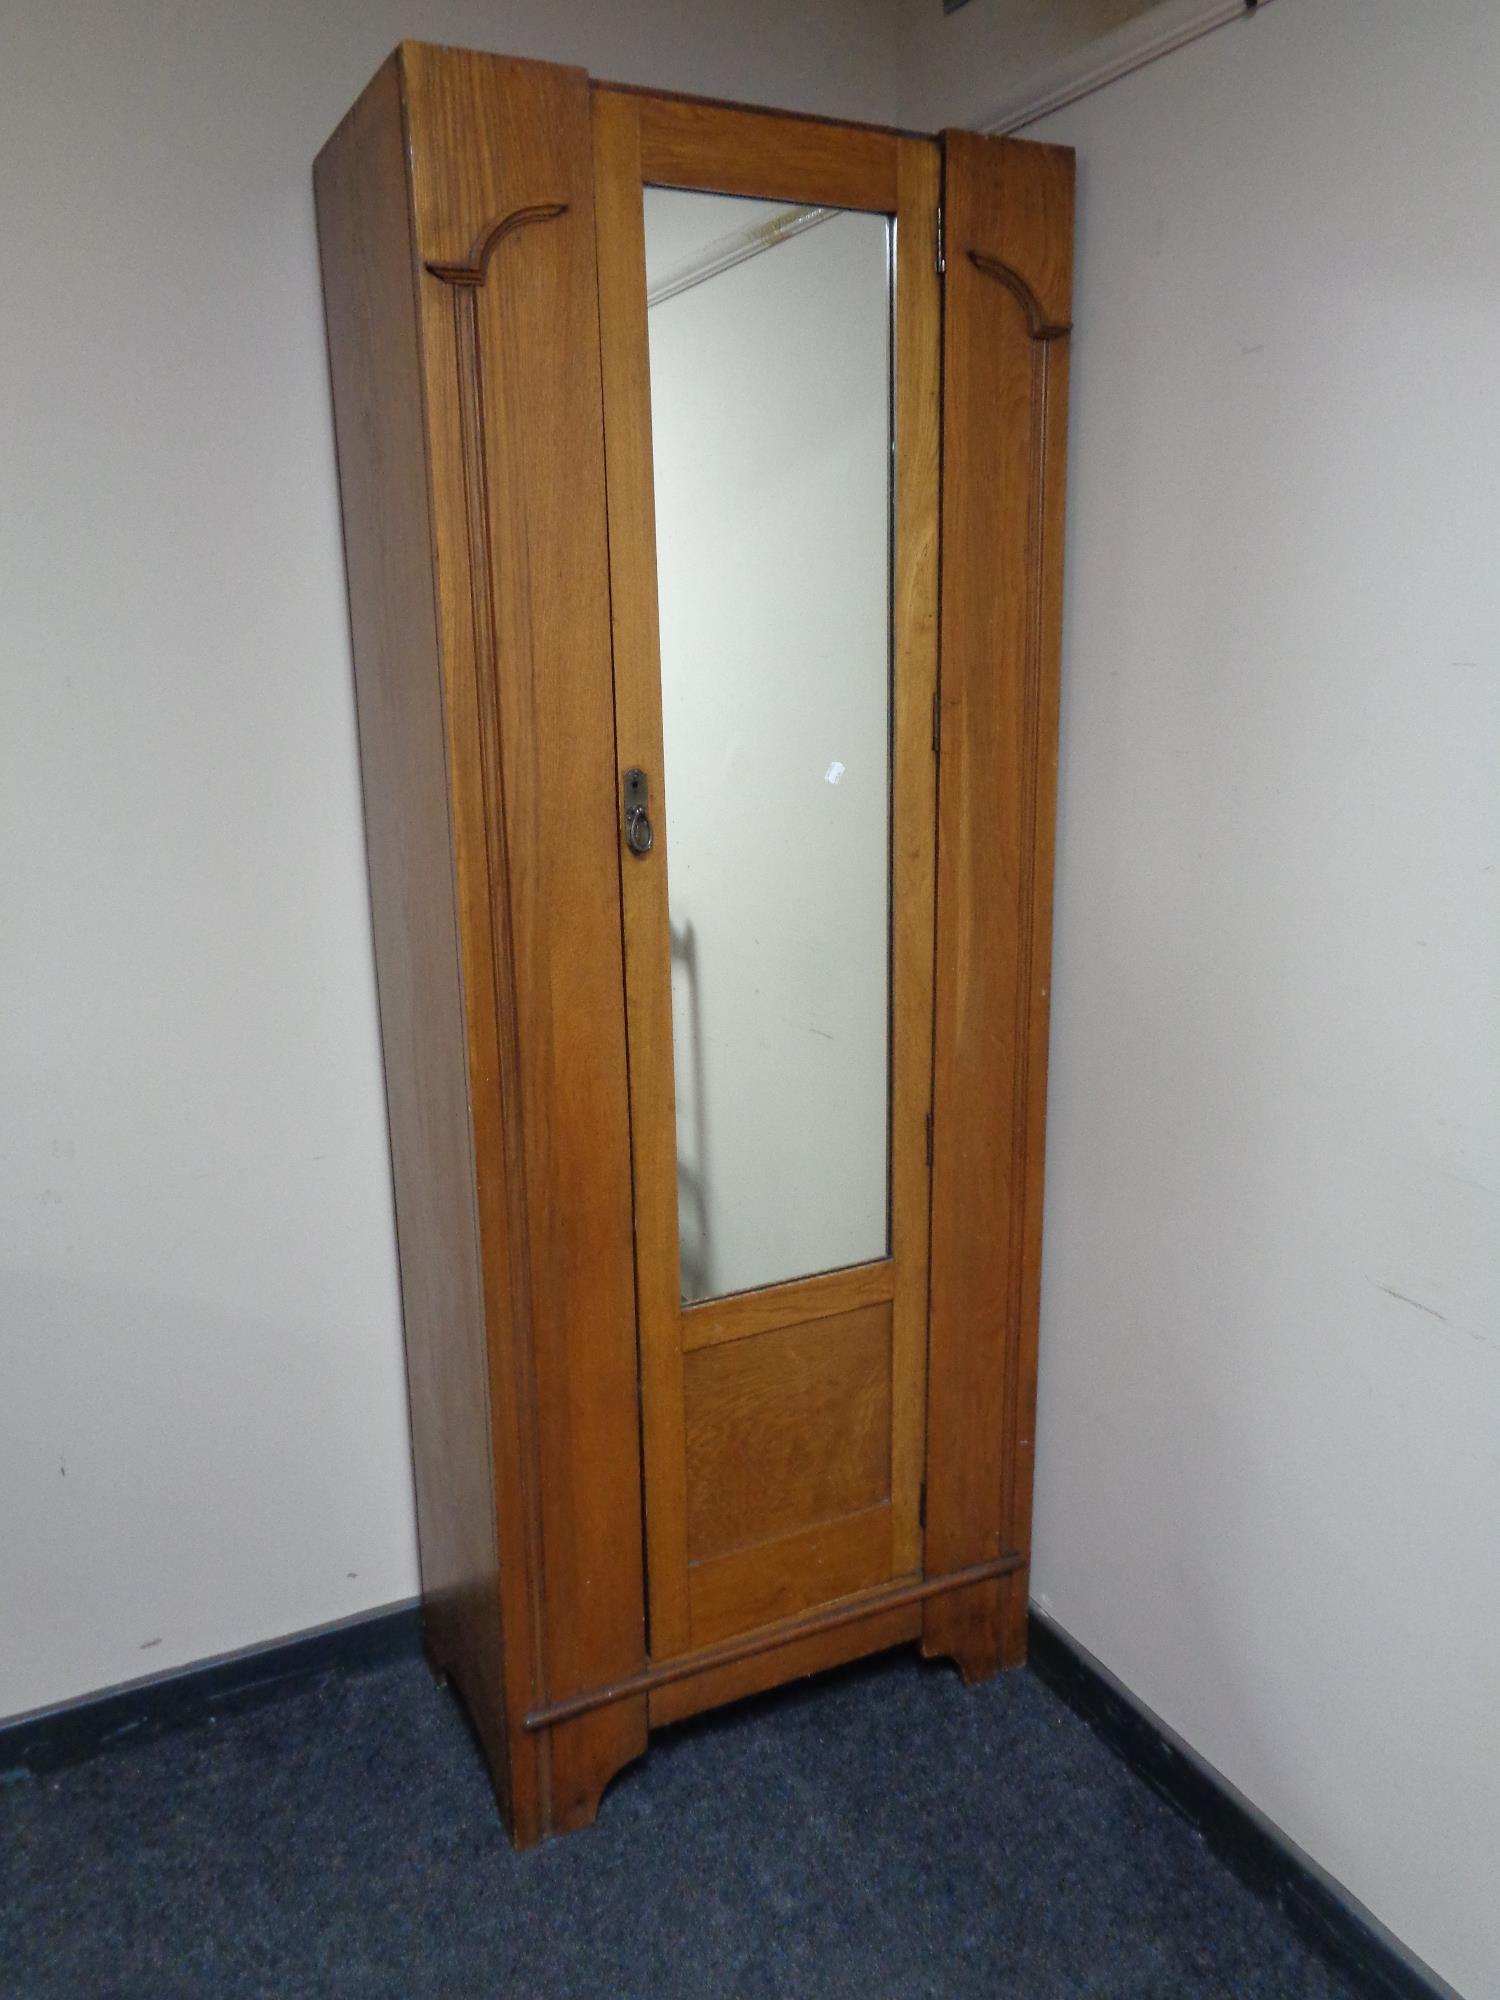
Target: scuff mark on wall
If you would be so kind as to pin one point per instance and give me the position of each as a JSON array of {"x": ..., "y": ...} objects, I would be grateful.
[{"x": 1407, "y": 1300}]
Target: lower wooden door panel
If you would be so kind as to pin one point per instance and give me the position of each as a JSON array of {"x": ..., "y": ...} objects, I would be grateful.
[
  {"x": 762, "y": 1586},
  {"x": 788, "y": 1470},
  {"x": 798, "y": 1653}
]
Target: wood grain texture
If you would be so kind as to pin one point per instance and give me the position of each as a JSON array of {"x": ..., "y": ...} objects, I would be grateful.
[
  {"x": 797, "y": 1655},
  {"x": 364, "y": 234},
  {"x": 914, "y": 630},
  {"x": 1008, "y": 209},
  {"x": 779, "y": 1579},
  {"x": 732, "y": 149},
  {"x": 517, "y": 450},
  {"x": 788, "y": 1429},
  {"x": 740, "y": 1314},
  {"x": 626, "y": 376},
  {"x": 852, "y": 1610}
]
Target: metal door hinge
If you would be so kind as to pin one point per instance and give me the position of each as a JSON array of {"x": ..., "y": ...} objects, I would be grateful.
[{"x": 942, "y": 255}]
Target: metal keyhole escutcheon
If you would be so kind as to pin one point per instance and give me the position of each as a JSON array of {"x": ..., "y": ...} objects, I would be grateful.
[{"x": 638, "y": 833}]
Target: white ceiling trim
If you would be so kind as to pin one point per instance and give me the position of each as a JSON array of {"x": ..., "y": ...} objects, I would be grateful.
[
  {"x": 727, "y": 251},
  {"x": 1157, "y": 32},
  {"x": 1150, "y": 36}
]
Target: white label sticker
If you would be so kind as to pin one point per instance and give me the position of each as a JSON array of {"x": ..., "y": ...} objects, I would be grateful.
[{"x": 834, "y": 772}]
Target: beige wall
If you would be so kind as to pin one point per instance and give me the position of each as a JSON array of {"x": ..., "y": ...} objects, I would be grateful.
[
  {"x": 1268, "y": 1464},
  {"x": 202, "y": 1422}
]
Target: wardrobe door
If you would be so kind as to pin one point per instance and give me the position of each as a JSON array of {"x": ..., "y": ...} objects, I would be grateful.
[{"x": 769, "y": 319}]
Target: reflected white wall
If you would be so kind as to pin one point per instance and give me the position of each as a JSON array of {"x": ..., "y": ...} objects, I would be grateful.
[{"x": 771, "y": 435}]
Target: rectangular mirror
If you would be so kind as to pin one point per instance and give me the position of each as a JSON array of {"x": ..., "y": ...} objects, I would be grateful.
[{"x": 771, "y": 411}]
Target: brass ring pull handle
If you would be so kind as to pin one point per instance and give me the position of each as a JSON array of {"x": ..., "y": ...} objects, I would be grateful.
[{"x": 638, "y": 831}]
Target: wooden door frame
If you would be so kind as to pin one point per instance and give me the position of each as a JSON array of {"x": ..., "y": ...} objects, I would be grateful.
[{"x": 640, "y": 139}]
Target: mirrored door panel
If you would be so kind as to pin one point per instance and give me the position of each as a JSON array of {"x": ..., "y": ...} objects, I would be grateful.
[{"x": 770, "y": 378}]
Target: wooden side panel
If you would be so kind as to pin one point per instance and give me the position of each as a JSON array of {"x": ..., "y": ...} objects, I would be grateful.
[
  {"x": 365, "y": 243},
  {"x": 502, "y": 193},
  {"x": 1008, "y": 207}
]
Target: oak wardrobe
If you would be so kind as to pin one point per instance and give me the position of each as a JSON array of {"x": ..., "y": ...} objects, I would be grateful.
[{"x": 702, "y": 483}]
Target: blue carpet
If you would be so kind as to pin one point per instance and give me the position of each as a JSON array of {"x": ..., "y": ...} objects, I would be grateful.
[{"x": 880, "y": 1834}]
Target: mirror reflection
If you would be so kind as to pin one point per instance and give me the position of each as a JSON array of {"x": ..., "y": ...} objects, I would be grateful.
[{"x": 770, "y": 341}]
